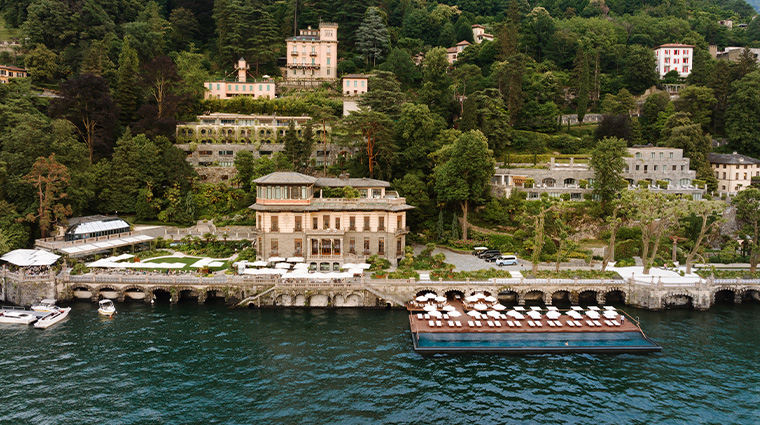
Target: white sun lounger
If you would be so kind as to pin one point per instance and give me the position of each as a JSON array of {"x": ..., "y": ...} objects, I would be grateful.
[
  {"x": 478, "y": 324},
  {"x": 596, "y": 323},
  {"x": 538, "y": 323},
  {"x": 517, "y": 323},
  {"x": 510, "y": 324},
  {"x": 589, "y": 322},
  {"x": 615, "y": 322},
  {"x": 419, "y": 316},
  {"x": 471, "y": 323},
  {"x": 427, "y": 317},
  {"x": 530, "y": 323},
  {"x": 451, "y": 323},
  {"x": 490, "y": 324},
  {"x": 577, "y": 323},
  {"x": 459, "y": 324},
  {"x": 446, "y": 317},
  {"x": 497, "y": 323},
  {"x": 438, "y": 323},
  {"x": 570, "y": 322},
  {"x": 558, "y": 323},
  {"x": 551, "y": 323},
  {"x": 431, "y": 323}
]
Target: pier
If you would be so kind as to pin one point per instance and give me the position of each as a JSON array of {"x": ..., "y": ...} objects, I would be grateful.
[{"x": 256, "y": 291}]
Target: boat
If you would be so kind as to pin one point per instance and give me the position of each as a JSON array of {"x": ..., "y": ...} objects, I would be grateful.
[
  {"x": 46, "y": 306},
  {"x": 17, "y": 316},
  {"x": 106, "y": 308},
  {"x": 457, "y": 327},
  {"x": 52, "y": 318}
]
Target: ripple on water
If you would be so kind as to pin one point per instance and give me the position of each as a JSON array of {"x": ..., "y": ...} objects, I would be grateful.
[{"x": 198, "y": 364}]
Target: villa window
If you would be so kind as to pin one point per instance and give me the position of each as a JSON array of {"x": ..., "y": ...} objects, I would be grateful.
[
  {"x": 326, "y": 246},
  {"x": 398, "y": 246},
  {"x": 352, "y": 246},
  {"x": 337, "y": 223},
  {"x": 298, "y": 224},
  {"x": 274, "y": 248},
  {"x": 298, "y": 248},
  {"x": 336, "y": 246},
  {"x": 275, "y": 226},
  {"x": 381, "y": 224},
  {"x": 315, "y": 223},
  {"x": 314, "y": 247},
  {"x": 326, "y": 222},
  {"x": 366, "y": 246},
  {"x": 381, "y": 246},
  {"x": 366, "y": 224},
  {"x": 398, "y": 222},
  {"x": 352, "y": 223}
]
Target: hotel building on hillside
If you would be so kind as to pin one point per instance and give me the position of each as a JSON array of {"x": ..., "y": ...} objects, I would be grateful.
[
  {"x": 212, "y": 142},
  {"x": 313, "y": 54},
  {"x": 479, "y": 34},
  {"x": 733, "y": 171},
  {"x": 8, "y": 71},
  {"x": 295, "y": 218},
  {"x": 240, "y": 85},
  {"x": 674, "y": 57},
  {"x": 355, "y": 84},
  {"x": 650, "y": 164}
]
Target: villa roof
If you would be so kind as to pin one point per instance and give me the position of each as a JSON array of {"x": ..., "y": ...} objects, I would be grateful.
[
  {"x": 731, "y": 158},
  {"x": 356, "y": 76},
  {"x": 12, "y": 68},
  {"x": 463, "y": 43},
  {"x": 477, "y": 26},
  {"x": 353, "y": 182},
  {"x": 281, "y": 177},
  {"x": 673, "y": 45}
]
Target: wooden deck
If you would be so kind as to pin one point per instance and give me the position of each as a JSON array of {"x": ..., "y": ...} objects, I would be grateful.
[{"x": 423, "y": 325}]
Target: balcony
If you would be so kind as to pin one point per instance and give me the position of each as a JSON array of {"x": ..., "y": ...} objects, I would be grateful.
[
  {"x": 304, "y": 65},
  {"x": 402, "y": 230},
  {"x": 313, "y": 54},
  {"x": 293, "y": 53}
]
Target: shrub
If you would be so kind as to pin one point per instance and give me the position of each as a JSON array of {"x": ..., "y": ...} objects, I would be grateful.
[
  {"x": 663, "y": 184},
  {"x": 643, "y": 183},
  {"x": 625, "y": 262},
  {"x": 699, "y": 183},
  {"x": 529, "y": 183}
]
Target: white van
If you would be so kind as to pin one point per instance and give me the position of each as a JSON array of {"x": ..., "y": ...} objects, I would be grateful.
[{"x": 506, "y": 260}]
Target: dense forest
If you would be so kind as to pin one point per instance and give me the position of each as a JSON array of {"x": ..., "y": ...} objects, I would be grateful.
[{"x": 124, "y": 72}]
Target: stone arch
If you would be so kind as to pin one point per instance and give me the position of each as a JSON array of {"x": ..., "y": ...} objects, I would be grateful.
[
  {"x": 454, "y": 294},
  {"x": 284, "y": 300},
  {"x": 319, "y": 300},
  {"x": 109, "y": 291},
  {"x": 161, "y": 294},
  {"x": 212, "y": 294},
  {"x": 615, "y": 296},
  {"x": 509, "y": 296},
  {"x": 533, "y": 296},
  {"x": 299, "y": 301},
  {"x": 135, "y": 293},
  {"x": 725, "y": 295},
  {"x": 751, "y": 295},
  {"x": 678, "y": 299},
  {"x": 186, "y": 294},
  {"x": 339, "y": 300},
  {"x": 353, "y": 300},
  {"x": 425, "y": 291},
  {"x": 588, "y": 296},
  {"x": 82, "y": 292},
  {"x": 561, "y": 296}
]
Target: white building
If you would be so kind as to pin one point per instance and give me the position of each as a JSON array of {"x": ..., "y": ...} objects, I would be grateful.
[
  {"x": 479, "y": 34},
  {"x": 674, "y": 57},
  {"x": 240, "y": 85}
]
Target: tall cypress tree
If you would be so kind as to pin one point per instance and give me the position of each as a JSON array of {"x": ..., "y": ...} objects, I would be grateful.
[
  {"x": 582, "y": 70},
  {"x": 128, "y": 75},
  {"x": 372, "y": 37}
]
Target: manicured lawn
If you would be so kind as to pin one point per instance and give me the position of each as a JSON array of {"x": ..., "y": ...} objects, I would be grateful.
[{"x": 188, "y": 261}]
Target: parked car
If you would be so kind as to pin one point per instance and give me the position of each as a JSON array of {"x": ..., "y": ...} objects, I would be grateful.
[
  {"x": 478, "y": 250},
  {"x": 506, "y": 260},
  {"x": 486, "y": 255}
]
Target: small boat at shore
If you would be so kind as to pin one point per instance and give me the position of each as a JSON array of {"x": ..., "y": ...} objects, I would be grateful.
[
  {"x": 52, "y": 318},
  {"x": 16, "y": 316},
  {"x": 46, "y": 306},
  {"x": 106, "y": 308}
]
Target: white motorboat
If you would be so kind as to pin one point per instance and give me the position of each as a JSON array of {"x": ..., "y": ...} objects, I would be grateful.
[
  {"x": 106, "y": 308},
  {"x": 17, "y": 316},
  {"x": 52, "y": 318},
  {"x": 46, "y": 306}
]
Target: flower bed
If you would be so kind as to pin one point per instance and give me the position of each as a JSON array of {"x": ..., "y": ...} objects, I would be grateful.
[
  {"x": 728, "y": 274},
  {"x": 472, "y": 275},
  {"x": 580, "y": 274}
]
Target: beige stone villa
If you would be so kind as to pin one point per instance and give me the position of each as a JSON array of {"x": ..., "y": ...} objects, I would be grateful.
[
  {"x": 313, "y": 54},
  {"x": 296, "y": 218},
  {"x": 733, "y": 171}
]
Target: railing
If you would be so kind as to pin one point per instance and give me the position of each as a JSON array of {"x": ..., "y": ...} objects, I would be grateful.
[
  {"x": 58, "y": 242},
  {"x": 27, "y": 278}
]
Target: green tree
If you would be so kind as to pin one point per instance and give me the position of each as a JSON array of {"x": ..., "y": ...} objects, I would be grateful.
[
  {"x": 708, "y": 213},
  {"x": 747, "y": 204},
  {"x": 384, "y": 94},
  {"x": 608, "y": 165},
  {"x": 639, "y": 72},
  {"x": 50, "y": 22},
  {"x": 742, "y": 125},
  {"x": 417, "y": 131},
  {"x": 184, "y": 28},
  {"x": 375, "y": 129},
  {"x": 650, "y": 112},
  {"x": 42, "y": 63},
  {"x": 372, "y": 38},
  {"x": 400, "y": 63},
  {"x": 698, "y": 102},
  {"x": 436, "y": 87},
  {"x": 263, "y": 43},
  {"x": 656, "y": 214},
  {"x": 244, "y": 168},
  {"x": 680, "y": 132},
  {"x": 465, "y": 175},
  {"x": 50, "y": 180},
  {"x": 582, "y": 75},
  {"x": 747, "y": 63},
  {"x": 127, "y": 82}
]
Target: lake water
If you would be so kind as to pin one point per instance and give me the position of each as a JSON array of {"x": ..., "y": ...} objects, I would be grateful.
[{"x": 191, "y": 364}]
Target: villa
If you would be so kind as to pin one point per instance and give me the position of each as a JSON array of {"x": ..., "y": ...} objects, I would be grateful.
[
  {"x": 664, "y": 169},
  {"x": 8, "y": 71},
  {"x": 733, "y": 171},
  {"x": 313, "y": 54},
  {"x": 674, "y": 57},
  {"x": 299, "y": 216},
  {"x": 241, "y": 85}
]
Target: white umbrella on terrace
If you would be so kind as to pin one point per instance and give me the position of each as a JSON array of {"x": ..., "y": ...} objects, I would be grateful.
[
  {"x": 609, "y": 307},
  {"x": 575, "y": 315},
  {"x": 471, "y": 299},
  {"x": 435, "y": 314},
  {"x": 285, "y": 266},
  {"x": 490, "y": 299},
  {"x": 551, "y": 307},
  {"x": 259, "y": 263},
  {"x": 440, "y": 299},
  {"x": 421, "y": 299},
  {"x": 454, "y": 313},
  {"x": 449, "y": 308},
  {"x": 480, "y": 307},
  {"x": 363, "y": 266},
  {"x": 534, "y": 315},
  {"x": 592, "y": 314},
  {"x": 515, "y": 314},
  {"x": 499, "y": 307},
  {"x": 473, "y": 313},
  {"x": 494, "y": 314},
  {"x": 276, "y": 259},
  {"x": 480, "y": 295},
  {"x": 577, "y": 308},
  {"x": 295, "y": 260},
  {"x": 429, "y": 308},
  {"x": 610, "y": 314},
  {"x": 553, "y": 314},
  {"x": 430, "y": 295},
  {"x": 593, "y": 307}
]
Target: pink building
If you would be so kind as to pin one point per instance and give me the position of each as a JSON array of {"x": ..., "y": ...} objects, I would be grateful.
[
  {"x": 355, "y": 84},
  {"x": 240, "y": 85},
  {"x": 313, "y": 54},
  {"x": 674, "y": 57},
  {"x": 453, "y": 52}
]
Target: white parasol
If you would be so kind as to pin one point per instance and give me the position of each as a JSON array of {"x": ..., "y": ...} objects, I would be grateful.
[
  {"x": 499, "y": 307},
  {"x": 435, "y": 314},
  {"x": 574, "y": 314},
  {"x": 515, "y": 314},
  {"x": 519, "y": 308},
  {"x": 473, "y": 313},
  {"x": 454, "y": 313},
  {"x": 593, "y": 307},
  {"x": 440, "y": 299},
  {"x": 480, "y": 307},
  {"x": 494, "y": 314},
  {"x": 471, "y": 299},
  {"x": 421, "y": 299},
  {"x": 534, "y": 315},
  {"x": 429, "y": 308},
  {"x": 592, "y": 314},
  {"x": 430, "y": 295},
  {"x": 448, "y": 308},
  {"x": 553, "y": 314},
  {"x": 491, "y": 299}
]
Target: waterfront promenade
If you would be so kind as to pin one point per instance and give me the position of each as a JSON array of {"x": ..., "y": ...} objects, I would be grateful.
[{"x": 654, "y": 292}]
